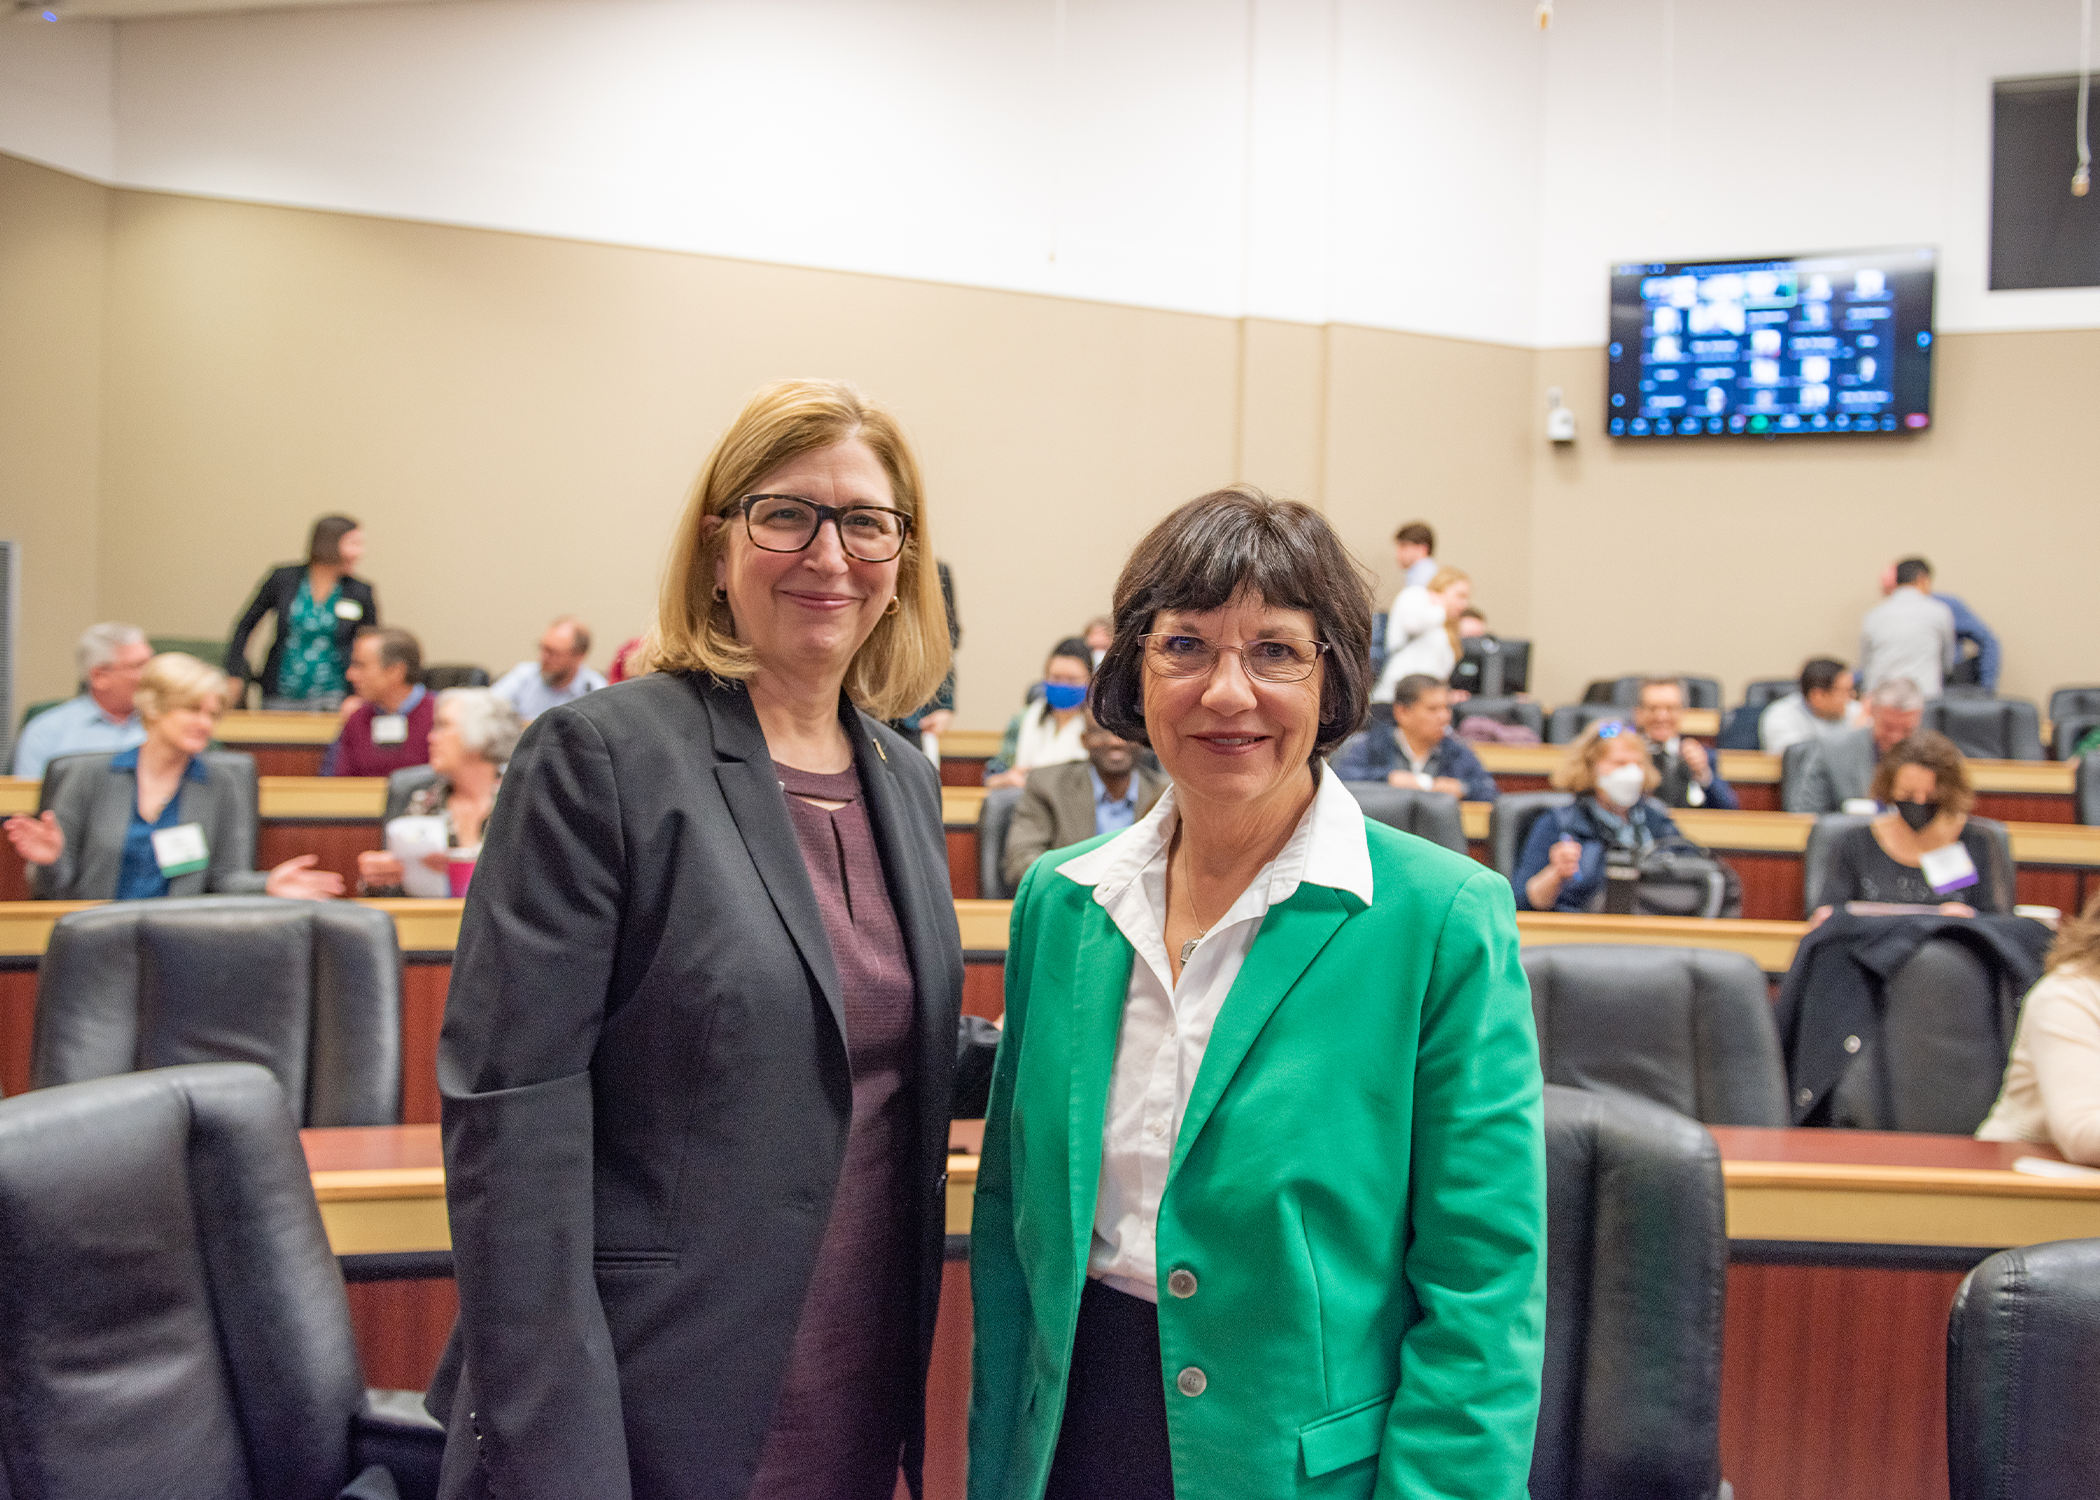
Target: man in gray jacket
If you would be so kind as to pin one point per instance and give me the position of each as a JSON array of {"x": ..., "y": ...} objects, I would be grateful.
[
  {"x": 1908, "y": 634},
  {"x": 1069, "y": 804},
  {"x": 1825, "y": 773}
]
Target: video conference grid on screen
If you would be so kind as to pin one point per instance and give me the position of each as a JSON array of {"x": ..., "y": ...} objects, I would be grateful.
[{"x": 1763, "y": 348}]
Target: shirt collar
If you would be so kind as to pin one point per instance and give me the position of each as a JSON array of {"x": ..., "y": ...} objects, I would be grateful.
[
  {"x": 103, "y": 714},
  {"x": 1101, "y": 796},
  {"x": 1328, "y": 847},
  {"x": 416, "y": 695},
  {"x": 128, "y": 760}
]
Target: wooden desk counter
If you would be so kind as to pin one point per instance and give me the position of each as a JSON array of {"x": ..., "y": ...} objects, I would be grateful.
[
  {"x": 243, "y": 727},
  {"x": 299, "y": 799},
  {"x": 381, "y": 1188}
]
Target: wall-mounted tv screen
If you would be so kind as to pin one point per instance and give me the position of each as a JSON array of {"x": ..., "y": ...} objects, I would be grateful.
[{"x": 1805, "y": 344}]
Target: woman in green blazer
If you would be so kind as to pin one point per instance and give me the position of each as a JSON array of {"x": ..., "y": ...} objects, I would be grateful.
[{"x": 1261, "y": 1209}]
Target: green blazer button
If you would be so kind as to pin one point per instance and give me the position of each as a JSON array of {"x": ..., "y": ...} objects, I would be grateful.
[
  {"x": 1190, "y": 1382},
  {"x": 1182, "y": 1283}
]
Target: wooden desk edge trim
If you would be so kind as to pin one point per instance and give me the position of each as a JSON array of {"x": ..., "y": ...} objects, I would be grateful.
[
  {"x": 1859, "y": 1178},
  {"x": 364, "y": 1185}
]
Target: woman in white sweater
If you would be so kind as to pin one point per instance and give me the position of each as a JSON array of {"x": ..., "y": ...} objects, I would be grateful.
[
  {"x": 2052, "y": 1084},
  {"x": 1421, "y": 633}
]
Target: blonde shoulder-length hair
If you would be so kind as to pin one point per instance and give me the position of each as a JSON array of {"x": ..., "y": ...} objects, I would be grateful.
[{"x": 905, "y": 657}]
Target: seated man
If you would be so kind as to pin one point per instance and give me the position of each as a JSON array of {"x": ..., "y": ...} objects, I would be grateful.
[
  {"x": 390, "y": 727},
  {"x": 1419, "y": 750},
  {"x": 1070, "y": 803},
  {"x": 1822, "y": 706},
  {"x": 110, "y": 658},
  {"x": 558, "y": 677},
  {"x": 1839, "y": 768},
  {"x": 1688, "y": 778}
]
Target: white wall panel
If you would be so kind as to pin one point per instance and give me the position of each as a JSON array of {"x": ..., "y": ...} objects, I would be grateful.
[
  {"x": 55, "y": 94},
  {"x": 1690, "y": 129},
  {"x": 1437, "y": 166}
]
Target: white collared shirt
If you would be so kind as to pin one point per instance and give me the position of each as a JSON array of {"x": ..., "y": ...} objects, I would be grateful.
[{"x": 1166, "y": 1029}]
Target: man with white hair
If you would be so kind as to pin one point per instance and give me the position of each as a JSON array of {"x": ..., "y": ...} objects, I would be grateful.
[
  {"x": 1839, "y": 768},
  {"x": 110, "y": 657},
  {"x": 559, "y": 676}
]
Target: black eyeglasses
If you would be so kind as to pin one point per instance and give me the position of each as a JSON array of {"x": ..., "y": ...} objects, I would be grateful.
[
  {"x": 789, "y": 523},
  {"x": 1276, "y": 659}
]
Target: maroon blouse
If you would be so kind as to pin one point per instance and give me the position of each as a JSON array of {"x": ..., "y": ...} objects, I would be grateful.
[{"x": 838, "y": 1431}]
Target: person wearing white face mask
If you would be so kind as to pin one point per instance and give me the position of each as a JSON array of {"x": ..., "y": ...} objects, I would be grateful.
[{"x": 1609, "y": 770}]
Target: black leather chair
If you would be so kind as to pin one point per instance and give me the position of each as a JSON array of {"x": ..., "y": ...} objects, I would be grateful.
[
  {"x": 1763, "y": 693},
  {"x": 994, "y": 816},
  {"x": 1688, "y": 1028},
  {"x": 2065, "y": 702},
  {"x": 1946, "y": 1032},
  {"x": 1793, "y": 765},
  {"x": 2086, "y": 787},
  {"x": 1699, "y": 692},
  {"x": 1637, "y": 1262},
  {"x": 1510, "y": 824},
  {"x": 1570, "y": 719},
  {"x": 2023, "y": 1376},
  {"x": 452, "y": 675},
  {"x": 1988, "y": 728},
  {"x": 311, "y": 990},
  {"x": 1520, "y": 711},
  {"x": 2065, "y": 733},
  {"x": 174, "y": 1324},
  {"x": 1815, "y": 859},
  {"x": 1430, "y": 815},
  {"x": 403, "y": 784}
]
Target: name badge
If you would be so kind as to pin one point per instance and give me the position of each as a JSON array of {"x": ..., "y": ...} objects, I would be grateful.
[
  {"x": 349, "y": 609},
  {"x": 389, "y": 729},
  {"x": 1948, "y": 869},
  {"x": 180, "y": 850}
]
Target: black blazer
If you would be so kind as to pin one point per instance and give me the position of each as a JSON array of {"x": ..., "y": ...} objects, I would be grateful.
[
  {"x": 276, "y": 594},
  {"x": 647, "y": 1094}
]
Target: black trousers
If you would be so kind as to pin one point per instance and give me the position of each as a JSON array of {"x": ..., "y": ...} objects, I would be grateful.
[{"x": 1113, "y": 1444}]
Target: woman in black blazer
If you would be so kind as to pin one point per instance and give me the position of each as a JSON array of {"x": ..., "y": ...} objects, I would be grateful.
[
  {"x": 700, "y": 1038},
  {"x": 320, "y": 608}
]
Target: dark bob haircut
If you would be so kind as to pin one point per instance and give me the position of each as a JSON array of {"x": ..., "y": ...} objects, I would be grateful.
[
  {"x": 325, "y": 545},
  {"x": 1226, "y": 543}
]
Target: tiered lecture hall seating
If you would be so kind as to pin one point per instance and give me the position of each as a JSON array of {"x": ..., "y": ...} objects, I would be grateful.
[{"x": 1846, "y": 1246}]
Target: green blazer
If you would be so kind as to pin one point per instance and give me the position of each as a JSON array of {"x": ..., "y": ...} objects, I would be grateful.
[{"x": 1358, "y": 1187}]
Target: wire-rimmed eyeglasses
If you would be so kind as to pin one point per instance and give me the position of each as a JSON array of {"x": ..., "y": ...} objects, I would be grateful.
[
  {"x": 1276, "y": 658},
  {"x": 789, "y": 523}
]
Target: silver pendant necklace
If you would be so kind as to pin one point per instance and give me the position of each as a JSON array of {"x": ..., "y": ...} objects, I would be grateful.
[{"x": 1188, "y": 948}]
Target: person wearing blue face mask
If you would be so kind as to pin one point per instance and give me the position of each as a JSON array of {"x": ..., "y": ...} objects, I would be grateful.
[{"x": 1048, "y": 731}]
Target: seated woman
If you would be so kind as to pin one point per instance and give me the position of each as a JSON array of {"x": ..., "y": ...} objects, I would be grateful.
[
  {"x": 1609, "y": 771},
  {"x": 471, "y": 738},
  {"x": 2052, "y": 1083},
  {"x": 1047, "y": 732},
  {"x": 1421, "y": 634},
  {"x": 1922, "y": 851},
  {"x": 158, "y": 819}
]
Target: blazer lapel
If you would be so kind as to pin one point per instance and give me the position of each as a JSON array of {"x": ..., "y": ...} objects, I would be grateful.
[
  {"x": 752, "y": 793},
  {"x": 1100, "y": 984},
  {"x": 1075, "y": 806},
  {"x": 1291, "y": 937}
]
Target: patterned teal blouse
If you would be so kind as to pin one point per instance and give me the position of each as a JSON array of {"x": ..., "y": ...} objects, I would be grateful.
[{"x": 310, "y": 667}]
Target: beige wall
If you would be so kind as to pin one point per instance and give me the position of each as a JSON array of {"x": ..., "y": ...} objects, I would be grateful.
[
  {"x": 53, "y": 238},
  {"x": 516, "y": 420},
  {"x": 1738, "y": 559}
]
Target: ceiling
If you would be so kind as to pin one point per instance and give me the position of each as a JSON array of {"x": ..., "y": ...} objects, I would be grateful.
[{"x": 122, "y": 10}]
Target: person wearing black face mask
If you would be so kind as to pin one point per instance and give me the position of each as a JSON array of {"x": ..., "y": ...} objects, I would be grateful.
[{"x": 1923, "y": 850}]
